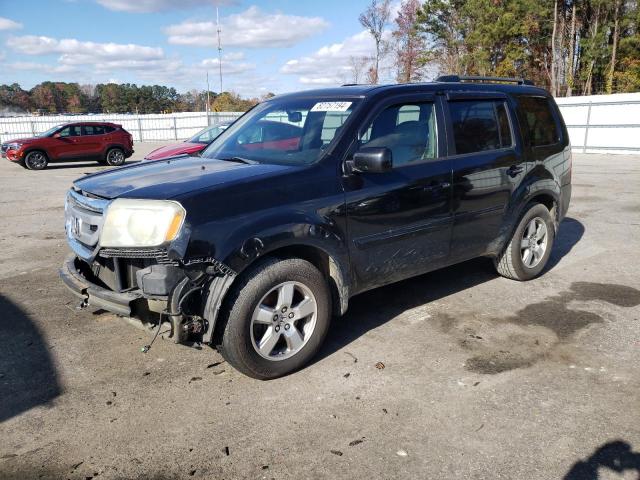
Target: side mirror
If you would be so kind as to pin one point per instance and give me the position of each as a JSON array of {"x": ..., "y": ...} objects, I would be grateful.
[
  {"x": 373, "y": 160},
  {"x": 294, "y": 117}
]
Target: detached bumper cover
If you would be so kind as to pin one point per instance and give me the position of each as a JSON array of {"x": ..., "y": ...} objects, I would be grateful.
[{"x": 95, "y": 295}]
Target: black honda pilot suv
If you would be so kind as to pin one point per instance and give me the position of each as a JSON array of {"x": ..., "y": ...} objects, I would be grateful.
[{"x": 313, "y": 197}]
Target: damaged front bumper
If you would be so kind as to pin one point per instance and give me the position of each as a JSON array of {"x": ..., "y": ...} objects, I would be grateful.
[{"x": 74, "y": 275}]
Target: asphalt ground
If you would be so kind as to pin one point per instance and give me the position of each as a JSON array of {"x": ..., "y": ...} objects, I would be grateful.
[{"x": 455, "y": 374}]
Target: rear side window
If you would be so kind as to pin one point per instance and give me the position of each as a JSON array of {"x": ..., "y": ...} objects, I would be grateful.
[
  {"x": 480, "y": 125},
  {"x": 92, "y": 130},
  {"x": 539, "y": 121},
  {"x": 108, "y": 129}
]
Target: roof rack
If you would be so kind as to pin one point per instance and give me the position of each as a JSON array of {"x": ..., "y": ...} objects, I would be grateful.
[{"x": 478, "y": 78}]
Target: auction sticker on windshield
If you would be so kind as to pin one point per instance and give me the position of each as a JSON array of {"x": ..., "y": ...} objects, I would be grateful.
[{"x": 331, "y": 107}]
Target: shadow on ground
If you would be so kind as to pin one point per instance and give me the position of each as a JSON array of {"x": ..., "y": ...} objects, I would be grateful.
[
  {"x": 616, "y": 456},
  {"x": 569, "y": 234},
  {"x": 27, "y": 374},
  {"x": 388, "y": 302}
]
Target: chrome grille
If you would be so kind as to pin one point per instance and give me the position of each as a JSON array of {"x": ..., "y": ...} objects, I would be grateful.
[{"x": 83, "y": 221}]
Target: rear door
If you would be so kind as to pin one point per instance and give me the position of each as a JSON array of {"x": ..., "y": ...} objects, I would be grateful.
[
  {"x": 92, "y": 139},
  {"x": 399, "y": 222},
  {"x": 487, "y": 167}
]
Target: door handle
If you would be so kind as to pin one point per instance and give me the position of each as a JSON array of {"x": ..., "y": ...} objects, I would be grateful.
[
  {"x": 515, "y": 170},
  {"x": 436, "y": 187}
]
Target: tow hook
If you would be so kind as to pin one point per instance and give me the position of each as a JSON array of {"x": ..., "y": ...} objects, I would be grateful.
[{"x": 83, "y": 304}]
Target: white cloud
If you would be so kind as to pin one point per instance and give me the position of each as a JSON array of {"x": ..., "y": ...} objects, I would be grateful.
[
  {"x": 228, "y": 68},
  {"x": 332, "y": 64},
  {"x": 91, "y": 62},
  {"x": 40, "y": 67},
  {"x": 101, "y": 55},
  {"x": 147, "y": 6},
  {"x": 8, "y": 24},
  {"x": 251, "y": 28}
]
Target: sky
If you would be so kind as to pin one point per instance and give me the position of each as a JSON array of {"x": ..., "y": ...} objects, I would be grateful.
[{"x": 267, "y": 46}]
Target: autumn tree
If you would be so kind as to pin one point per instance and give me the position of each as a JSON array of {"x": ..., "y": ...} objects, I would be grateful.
[
  {"x": 408, "y": 42},
  {"x": 375, "y": 18}
]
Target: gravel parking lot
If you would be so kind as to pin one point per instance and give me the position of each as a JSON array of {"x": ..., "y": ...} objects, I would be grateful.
[{"x": 455, "y": 374}]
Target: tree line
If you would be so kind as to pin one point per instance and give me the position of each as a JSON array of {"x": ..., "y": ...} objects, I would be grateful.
[
  {"x": 61, "y": 97},
  {"x": 571, "y": 47}
]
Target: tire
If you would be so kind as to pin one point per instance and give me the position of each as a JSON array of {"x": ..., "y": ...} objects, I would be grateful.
[
  {"x": 536, "y": 228},
  {"x": 114, "y": 157},
  {"x": 257, "y": 313},
  {"x": 36, "y": 160}
]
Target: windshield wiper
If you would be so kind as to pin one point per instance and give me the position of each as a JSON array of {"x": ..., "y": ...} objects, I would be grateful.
[{"x": 248, "y": 161}]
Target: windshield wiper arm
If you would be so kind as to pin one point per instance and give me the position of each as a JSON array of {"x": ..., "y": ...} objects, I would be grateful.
[{"x": 248, "y": 161}]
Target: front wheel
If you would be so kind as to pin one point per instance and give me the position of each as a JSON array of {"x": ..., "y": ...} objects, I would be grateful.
[
  {"x": 115, "y": 157},
  {"x": 276, "y": 318},
  {"x": 36, "y": 160},
  {"x": 530, "y": 247}
]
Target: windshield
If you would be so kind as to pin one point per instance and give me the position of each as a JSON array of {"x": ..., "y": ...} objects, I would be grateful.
[
  {"x": 50, "y": 132},
  {"x": 288, "y": 131},
  {"x": 207, "y": 135}
]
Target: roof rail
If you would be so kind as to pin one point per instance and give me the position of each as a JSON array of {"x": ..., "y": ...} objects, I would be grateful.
[{"x": 479, "y": 78}]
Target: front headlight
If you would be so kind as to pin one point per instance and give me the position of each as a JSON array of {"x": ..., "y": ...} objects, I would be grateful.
[
  {"x": 141, "y": 223},
  {"x": 14, "y": 146}
]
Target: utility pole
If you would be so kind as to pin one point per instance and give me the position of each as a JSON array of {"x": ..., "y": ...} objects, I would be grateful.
[
  {"x": 219, "y": 47},
  {"x": 207, "y": 109}
]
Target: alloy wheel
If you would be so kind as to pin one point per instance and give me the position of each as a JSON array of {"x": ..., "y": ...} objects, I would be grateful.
[
  {"x": 534, "y": 242},
  {"x": 283, "y": 321}
]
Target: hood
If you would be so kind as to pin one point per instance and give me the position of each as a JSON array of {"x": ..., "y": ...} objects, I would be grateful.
[
  {"x": 24, "y": 140},
  {"x": 164, "y": 179},
  {"x": 175, "y": 149}
]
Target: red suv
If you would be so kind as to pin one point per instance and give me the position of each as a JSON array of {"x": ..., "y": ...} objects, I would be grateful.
[{"x": 107, "y": 143}]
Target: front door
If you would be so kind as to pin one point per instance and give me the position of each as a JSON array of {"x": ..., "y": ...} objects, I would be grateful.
[
  {"x": 399, "y": 221},
  {"x": 487, "y": 167},
  {"x": 68, "y": 144}
]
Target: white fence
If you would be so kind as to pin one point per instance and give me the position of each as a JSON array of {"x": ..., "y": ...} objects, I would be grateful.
[
  {"x": 603, "y": 123},
  {"x": 596, "y": 124},
  {"x": 144, "y": 128}
]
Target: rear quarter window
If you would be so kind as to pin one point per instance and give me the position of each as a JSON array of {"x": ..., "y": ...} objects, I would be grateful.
[{"x": 538, "y": 120}]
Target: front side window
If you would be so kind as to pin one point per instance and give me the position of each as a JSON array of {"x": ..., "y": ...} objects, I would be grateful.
[
  {"x": 71, "y": 131},
  {"x": 539, "y": 121},
  {"x": 287, "y": 131},
  {"x": 480, "y": 125},
  {"x": 408, "y": 130}
]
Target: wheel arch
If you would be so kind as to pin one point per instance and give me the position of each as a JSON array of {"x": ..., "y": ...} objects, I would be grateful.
[
  {"x": 335, "y": 273},
  {"x": 37, "y": 149},
  {"x": 545, "y": 192}
]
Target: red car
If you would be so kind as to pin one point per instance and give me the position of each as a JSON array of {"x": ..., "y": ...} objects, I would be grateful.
[
  {"x": 104, "y": 142},
  {"x": 195, "y": 144}
]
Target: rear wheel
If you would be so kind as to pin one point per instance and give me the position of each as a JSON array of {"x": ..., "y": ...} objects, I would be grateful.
[
  {"x": 114, "y": 157},
  {"x": 530, "y": 247},
  {"x": 36, "y": 160},
  {"x": 276, "y": 318}
]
